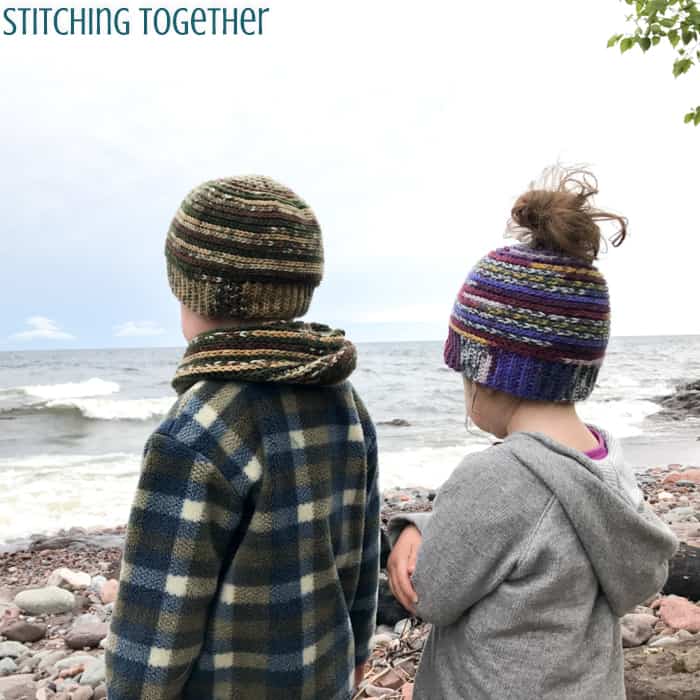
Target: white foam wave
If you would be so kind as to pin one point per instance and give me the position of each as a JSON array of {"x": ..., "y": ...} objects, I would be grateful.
[
  {"x": 110, "y": 409},
  {"x": 44, "y": 493},
  {"x": 622, "y": 418},
  {"x": 425, "y": 466},
  {"x": 616, "y": 384},
  {"x": 71, "y": 390}
]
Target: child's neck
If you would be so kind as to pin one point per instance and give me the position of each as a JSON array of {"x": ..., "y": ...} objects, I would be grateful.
[{"x": 558, "y": 421}]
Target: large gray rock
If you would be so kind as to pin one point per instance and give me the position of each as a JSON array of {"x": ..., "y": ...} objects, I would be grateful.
[
  {"x": 637, "y": 628},
  {"x": 50, "y": 600},
  {"x": 74, "y": 660},
  {"x": 48, "y": 660},
  {"x": 685, "y": 402},
  {"x": 12, "y": 649},
  {"x": 94, "y": 674}
]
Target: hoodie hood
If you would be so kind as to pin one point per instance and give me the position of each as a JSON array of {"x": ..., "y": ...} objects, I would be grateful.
[{"x": 627, "y": 544}]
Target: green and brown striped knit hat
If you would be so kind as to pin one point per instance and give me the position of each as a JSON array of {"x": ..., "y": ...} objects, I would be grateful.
[{"x": 244, "y": 247}]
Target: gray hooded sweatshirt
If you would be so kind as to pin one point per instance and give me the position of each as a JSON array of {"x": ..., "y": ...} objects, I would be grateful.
[{"x": 531, "y": 554}]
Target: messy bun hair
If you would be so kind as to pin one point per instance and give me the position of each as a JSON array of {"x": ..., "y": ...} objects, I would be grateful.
[{"x": 557, "y": 214}]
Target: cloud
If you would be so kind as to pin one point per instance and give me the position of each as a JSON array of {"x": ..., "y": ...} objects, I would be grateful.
[
  {"x": 135, "y": 329},
  {"x": 41, "y": 328}
]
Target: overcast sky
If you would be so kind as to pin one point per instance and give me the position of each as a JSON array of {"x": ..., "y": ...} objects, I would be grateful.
[{"x": 409, "y": 128}]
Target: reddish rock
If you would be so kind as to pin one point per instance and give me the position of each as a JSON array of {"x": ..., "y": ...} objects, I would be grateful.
[
  {"x": 86, "y": 635},
  {"x": 72, "y": 671},
  {"x": 692, "y": 475},
  {"x": 679, "y": 613},
  {"x": 109, "y": 591}
]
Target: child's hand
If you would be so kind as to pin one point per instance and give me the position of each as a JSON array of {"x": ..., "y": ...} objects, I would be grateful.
[{"x": 402, "y": 564}]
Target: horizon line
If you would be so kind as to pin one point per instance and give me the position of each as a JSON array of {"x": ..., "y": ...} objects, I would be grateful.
[{"x": 357, "y": 342}]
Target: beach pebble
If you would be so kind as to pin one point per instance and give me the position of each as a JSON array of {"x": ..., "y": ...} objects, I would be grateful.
[
  {"x": 637, "y": 628},
  {"x": 7, "y": 666},
  {"x": 74, "y": 660},
  {"x": 95, "y": 673},
  {"x": 379, "y": 639},
  {"x": 683, "y": 514},
  {"x": 109, "y": 591},
  {"x": 665, "y": 496},
  {"x": 66, "y": 578},
  {"x": 45, "y": 601},
  {"x": 686, "y": 484},
  {"x": 28, "y": 664},
  {"x": 104, "y": 612},
  {"x": 17, "y": 686},
  {"x": 13, "y": 649},
  {"x": 401, "y": 626},
  {"x": 375, "y": 691},
  {"x": 50, "y": 659},
  {"x": 84, "y": 692},
  {"x": 86, "y": 619},
  {"x": 684, "y": 635},
  {"x": 692, "y": 474},
  {"x": 86, "y": 634},
  {"x": 100, "y": 692},
  {"x": 665, "y": 642},
  {"x": 691, "y": 660},
  {"x": 9, "y": 613},
  {"x": 23, "y": 631},
  {"x": 96, "y": 583}
]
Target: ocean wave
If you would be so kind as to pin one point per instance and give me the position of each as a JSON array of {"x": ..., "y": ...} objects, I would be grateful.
[
  {"x": 87, "y": 398},
  {"x": 429, "y": 467},
  {"x": 42, "y": 493},
  {"x": 111, "y": 409},
  {"x": 69, "y": 390},
  {"x": 623, "y": 418}
]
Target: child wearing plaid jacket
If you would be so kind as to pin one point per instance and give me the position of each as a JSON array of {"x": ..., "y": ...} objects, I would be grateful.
[{"x": 251, "y": 560}]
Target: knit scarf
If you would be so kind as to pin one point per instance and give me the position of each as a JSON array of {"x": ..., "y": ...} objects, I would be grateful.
[{"x": 286, "y": 352}]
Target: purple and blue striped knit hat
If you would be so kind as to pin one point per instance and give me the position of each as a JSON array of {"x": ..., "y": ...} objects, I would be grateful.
[{"x": 532, "y": 323}]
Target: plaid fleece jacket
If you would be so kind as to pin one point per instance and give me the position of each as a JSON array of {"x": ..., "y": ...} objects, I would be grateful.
[{"x": 251, "y": 560}]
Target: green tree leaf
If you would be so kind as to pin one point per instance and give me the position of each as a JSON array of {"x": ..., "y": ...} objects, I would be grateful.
[
  {"x": 682, "y": 65},
  {"x": 649, "y": 21}
]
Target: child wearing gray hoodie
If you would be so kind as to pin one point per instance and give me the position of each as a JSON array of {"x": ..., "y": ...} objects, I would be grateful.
[{"x": 537, "y": 545}]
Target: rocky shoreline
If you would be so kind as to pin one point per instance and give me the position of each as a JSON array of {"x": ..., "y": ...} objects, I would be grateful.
[{"x": 57, "y": 593}]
